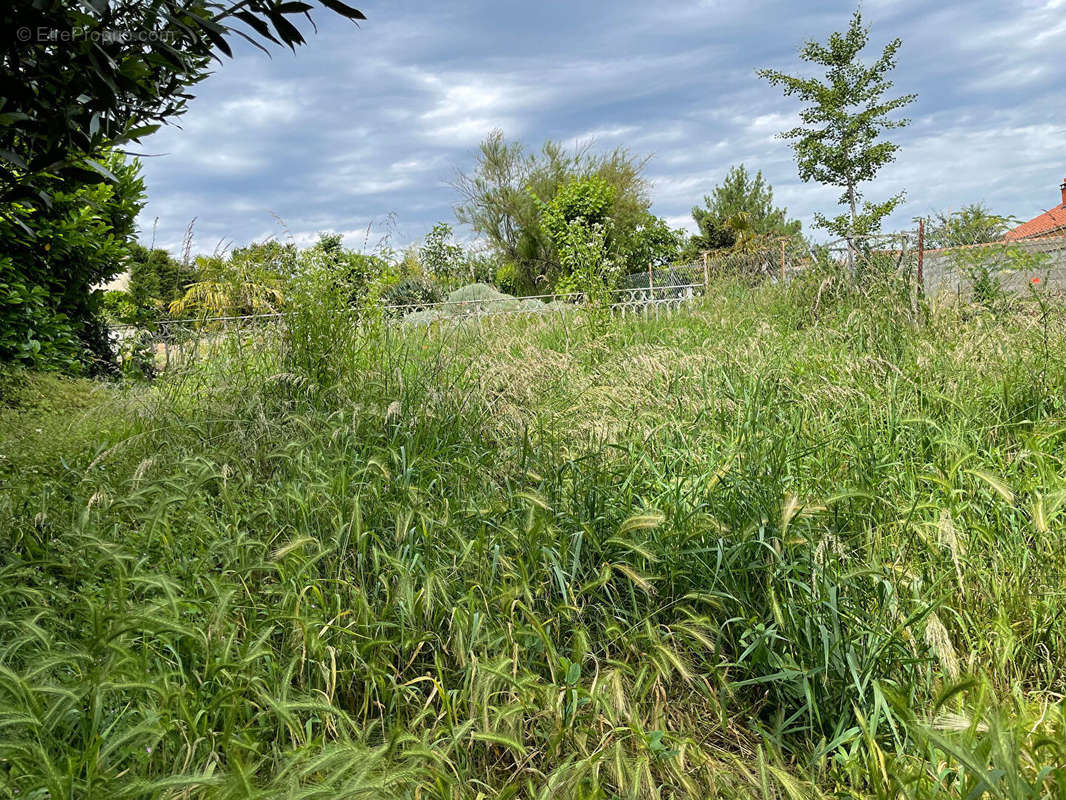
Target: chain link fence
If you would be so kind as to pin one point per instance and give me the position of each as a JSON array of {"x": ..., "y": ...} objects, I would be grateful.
[
  {"x": 668, "y": 280},
  {"x": 980, "y": 269},
  {"x": 776, "y": 260},
  {"x": 166, "y": 344},
  {"x": 976, "y": 270}
]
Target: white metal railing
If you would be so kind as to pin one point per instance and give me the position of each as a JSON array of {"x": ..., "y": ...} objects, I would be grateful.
[{"x": 177, "y": 341}]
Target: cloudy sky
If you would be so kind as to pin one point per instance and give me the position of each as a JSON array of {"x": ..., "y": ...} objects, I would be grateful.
[{"x": 370, "y": 123}]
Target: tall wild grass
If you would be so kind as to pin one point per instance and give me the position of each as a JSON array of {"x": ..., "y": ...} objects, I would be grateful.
[{"x": 792, "y": 542}]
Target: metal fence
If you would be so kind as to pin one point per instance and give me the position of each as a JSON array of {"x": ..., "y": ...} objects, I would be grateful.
[
  {"x": 624, "y": 300},
  {"x": 890, "y": 254},
  {"x": 971, "y": 269},
  {"x": 776, "y": 260},
  {"x": 666, "y": 280},
  {"x": 1012, "y": 267},
  {"x": 172, "y": 343},
  {"x": 965, "y": 269}
]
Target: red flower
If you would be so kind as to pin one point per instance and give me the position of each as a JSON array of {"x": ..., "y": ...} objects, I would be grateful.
[{"x": 1035, "y": 280}]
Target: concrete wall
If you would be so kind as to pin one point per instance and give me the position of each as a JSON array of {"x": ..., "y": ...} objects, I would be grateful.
[{"x": 945, "y": 269}]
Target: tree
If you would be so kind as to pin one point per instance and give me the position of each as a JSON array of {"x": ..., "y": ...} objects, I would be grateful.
[
  {"x": 501, "y": 200},
  {"x": 83, "y": 77},
  {"x": 652, "y": 242},
  {"x": 48, "y": 304},
  {"x": 840, "y": 142},
  {"x": 578, "y": 223},
  {"x": 972, "y": 224},
  {"x": 440, "y": 255},
  {"x": 156, "y": 277},
  {"x": 741, "y": 211},
  {"x": 355, "y": 273},
  {"x": 249, "y": 280},
  {"x": 80, "y": 78}
]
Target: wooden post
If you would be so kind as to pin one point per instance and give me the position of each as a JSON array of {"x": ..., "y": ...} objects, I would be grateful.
[
  {"x": 921, "y": 257},
  {"x": 782, "y": 260},
  {"x": 706, "y": 271}
]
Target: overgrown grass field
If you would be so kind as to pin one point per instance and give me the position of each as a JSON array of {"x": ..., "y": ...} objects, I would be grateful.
[{"x": 789, "y": 542}]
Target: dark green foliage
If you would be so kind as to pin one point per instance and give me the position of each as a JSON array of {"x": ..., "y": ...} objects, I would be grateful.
[
  {"x": 650, "y": 242},
  {"x": 589, "y": 200},
  {"x": 739, "y": 209},
  {"x": 156, "y": 279},
  {"x": 269, "y": 258},
  {"x": 578, "y": 223},
  {"x": 357, "y": 272},
  {"x": 50, "y": 261},
  {"x": 156, "y": 275},
  {"x": 84, "y": 77},
  {"x": 80, "y": 78},
  {"x": 413, "y": 293}
]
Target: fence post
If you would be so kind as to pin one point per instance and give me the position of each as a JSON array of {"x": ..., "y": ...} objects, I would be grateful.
[
  {"x": 782, "y": 260},
  {"x": 706, "y": 271},
  {"x": 651, "y": 288},
  {"x": 921, "y": 257}
]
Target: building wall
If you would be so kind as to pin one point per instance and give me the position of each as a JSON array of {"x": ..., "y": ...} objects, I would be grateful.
[{"x": 946, "y": 270}]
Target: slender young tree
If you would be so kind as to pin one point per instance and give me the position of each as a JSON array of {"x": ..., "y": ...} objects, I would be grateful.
[{"x": 840, "y": 142}]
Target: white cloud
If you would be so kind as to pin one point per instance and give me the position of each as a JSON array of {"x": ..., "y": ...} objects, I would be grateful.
[{"x": 367, "y": 121}]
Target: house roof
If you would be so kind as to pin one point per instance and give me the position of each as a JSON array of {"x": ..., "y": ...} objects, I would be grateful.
[{"x": 1048, "y": 222}]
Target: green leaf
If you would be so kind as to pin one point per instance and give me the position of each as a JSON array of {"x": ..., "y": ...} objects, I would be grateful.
[
  {"x": 99, "y": 168},
  {"x": 573, "y": 673},
  {"x": 501, "y": 740},
  {"x": 998, "y": 485},
  {"x": 288, "y": 32},
  {"x": 343, "y": 9}
]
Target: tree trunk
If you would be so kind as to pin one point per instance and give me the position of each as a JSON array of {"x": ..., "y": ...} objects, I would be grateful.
[{"x": 851, "y": 232}]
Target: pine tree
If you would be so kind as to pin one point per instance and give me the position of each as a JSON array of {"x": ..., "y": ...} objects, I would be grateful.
[{"x": 739, "y": 210}]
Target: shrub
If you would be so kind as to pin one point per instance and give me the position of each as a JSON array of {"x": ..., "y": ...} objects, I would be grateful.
[
  {"x": 508, "y": 278},
  {"x": 320, "y": 318},
  {"x": 652, "y": 242},
  {"x": 156, "y": 280},
  {"x": 983, "y": 267},
  {"x": 440, "y": 256},
  {"x": 412, "y": 293},
  {"x": 500, "y": 201},
  {"x": 136, "y": 355},
  {"x": 52, "y": 260},
  {"x": 477, "y": 293},
  {"x": 578, "y": 224},
  {"x": 360, "y": 273},
  {"x": 477, "y": 299}
]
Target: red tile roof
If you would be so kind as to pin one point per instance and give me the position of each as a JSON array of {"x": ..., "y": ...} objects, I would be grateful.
[{"x": 1048, "y": 222}]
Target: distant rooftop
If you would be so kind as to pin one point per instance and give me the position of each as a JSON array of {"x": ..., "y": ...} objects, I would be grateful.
[{"x": 1050, "y": 222}]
